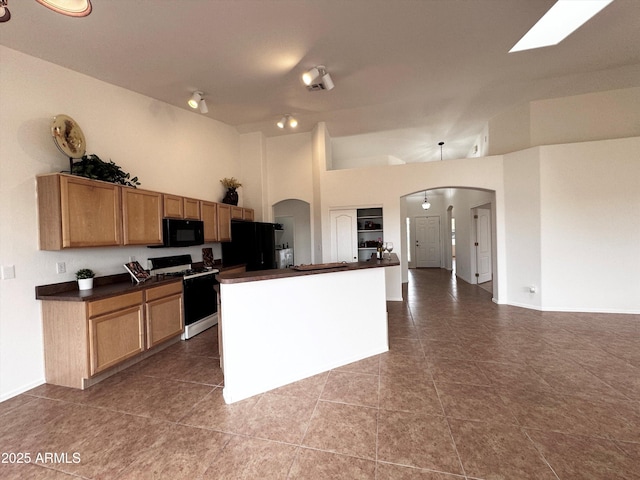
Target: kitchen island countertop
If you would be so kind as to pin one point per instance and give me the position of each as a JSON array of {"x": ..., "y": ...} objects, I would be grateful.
[{"x": 241, "y": 277}]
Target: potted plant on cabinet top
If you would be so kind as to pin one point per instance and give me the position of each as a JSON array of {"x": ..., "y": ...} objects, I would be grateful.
[
  {"x": 85, "y": 278},
  {"x": 231, "y": 184}
]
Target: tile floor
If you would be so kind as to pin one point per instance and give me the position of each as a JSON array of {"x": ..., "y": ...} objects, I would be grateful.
[{"x": 469, "y": 389}]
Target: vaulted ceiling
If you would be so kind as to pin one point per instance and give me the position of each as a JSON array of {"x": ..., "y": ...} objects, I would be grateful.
[{"x": 407, "y": 73}]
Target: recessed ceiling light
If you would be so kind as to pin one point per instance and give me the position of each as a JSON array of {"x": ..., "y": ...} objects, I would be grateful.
[{"x": 565, "y": 17}]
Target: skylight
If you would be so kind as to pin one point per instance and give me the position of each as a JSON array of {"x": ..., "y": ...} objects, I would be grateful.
[{"x": 565, "y": 17}]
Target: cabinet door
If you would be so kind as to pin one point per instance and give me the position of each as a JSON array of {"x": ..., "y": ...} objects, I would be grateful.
[
  {"x": 142, "y": 217},
  {"x": 191, "y": 209},
  {"x": 224, "y": 222},
  {"x": 247, "y": 214},
  {"x": 209, "y": 212},
  {"x": 164, "y": 319},
  {"x": 91, "y": 213},
  {"x": 173, "y": 206},
  {"x": 236, "y": 213},
  {"x": 115, "y": 337}
]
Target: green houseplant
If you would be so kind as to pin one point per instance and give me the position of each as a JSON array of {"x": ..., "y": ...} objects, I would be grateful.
[
  {"x": 91, "y": 166},
  {"x": 85, "y": 278}
]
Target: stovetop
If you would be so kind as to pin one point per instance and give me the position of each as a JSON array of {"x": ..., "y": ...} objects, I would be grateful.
[{"x": 177, "y": 266}]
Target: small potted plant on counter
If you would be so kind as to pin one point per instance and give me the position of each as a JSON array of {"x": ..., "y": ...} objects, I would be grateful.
[{"x": 85, "y": 278}]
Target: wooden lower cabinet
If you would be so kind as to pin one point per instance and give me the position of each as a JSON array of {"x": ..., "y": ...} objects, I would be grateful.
[
  {"x": 85, "y": 342},
  {"x": 163, "y": 313},
  {"x": 115, "y": 337}
]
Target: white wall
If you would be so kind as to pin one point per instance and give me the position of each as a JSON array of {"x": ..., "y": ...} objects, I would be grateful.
[
  {"x": 169, "y": 149},
  {"x": 253, "y": 172},
  {"x": 579, "y": 118},
  {"x": 522, "y": 216},
  {"x": 289, "y": 166},
  {"x": 590, "y": 226}
]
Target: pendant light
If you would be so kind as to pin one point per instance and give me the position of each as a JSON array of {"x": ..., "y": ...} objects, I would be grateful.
[
  {"x": 426, "y": 205},
  {"x": 441, "y": 144}
]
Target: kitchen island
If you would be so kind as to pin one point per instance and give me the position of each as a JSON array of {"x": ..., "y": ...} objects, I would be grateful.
[{"x": 280, "y": 326}]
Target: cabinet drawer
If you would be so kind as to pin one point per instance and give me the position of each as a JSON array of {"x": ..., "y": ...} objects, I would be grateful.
[
  {"x": 163, "y": 291},
  {"x": 112, "y": 304}
]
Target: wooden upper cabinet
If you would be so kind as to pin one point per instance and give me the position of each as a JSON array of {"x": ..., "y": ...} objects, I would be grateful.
[
  {"x": 224, "y": 222},
  {"x": 236, "y": 213},
  {"x": 209, "y": 212},
  {"x": 142, "y": 217},
  {"x": 173, "y": 206},
  {"x": 247, "y": 214},
  {"x": 78, "y": 212},
  {"x": 181, "y": 207},
  {"x": 191, "y": 209}
]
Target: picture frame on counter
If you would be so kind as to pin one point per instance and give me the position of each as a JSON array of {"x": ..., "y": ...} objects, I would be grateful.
[{"x": 138, "y": 274}]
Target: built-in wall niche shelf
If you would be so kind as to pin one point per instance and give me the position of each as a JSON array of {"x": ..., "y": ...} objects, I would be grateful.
[{"x": 370, "y": 231}]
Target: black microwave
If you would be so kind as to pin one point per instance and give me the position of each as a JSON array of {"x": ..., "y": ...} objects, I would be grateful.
[{"x": 182, "y": 233}]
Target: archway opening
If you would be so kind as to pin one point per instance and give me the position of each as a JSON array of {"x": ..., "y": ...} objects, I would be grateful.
[{"x": 429, "y": 234}]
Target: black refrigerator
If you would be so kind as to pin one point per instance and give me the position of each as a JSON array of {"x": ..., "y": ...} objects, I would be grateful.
[{"x": 252, "y": 243}]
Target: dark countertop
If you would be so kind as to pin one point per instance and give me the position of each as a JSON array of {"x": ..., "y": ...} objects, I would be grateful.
[
  {"x": 241, "y": 277},
  {"x": 103, "y": 287}
]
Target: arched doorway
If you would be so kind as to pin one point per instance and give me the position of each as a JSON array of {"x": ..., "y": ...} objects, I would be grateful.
[
  {"x": 443, "y": 202},
  {"x": 295, "y": 217}
]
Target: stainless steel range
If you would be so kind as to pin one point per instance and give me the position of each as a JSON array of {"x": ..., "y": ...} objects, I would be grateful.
[{"x": 200, "y": 298}]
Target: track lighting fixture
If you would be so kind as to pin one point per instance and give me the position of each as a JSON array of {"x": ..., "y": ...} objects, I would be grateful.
[
  {"x": 317, "y": 79},
  {"x": 72, "y": 8},
  {"x": 426, "y": 205},
  {"x": 197, "y": 101},
  {"x": 5, "y": 14},
  {"x": 287, "y": 120},
  {"x": 203, "y": 106},
  {"x": 194, "y": 101}
]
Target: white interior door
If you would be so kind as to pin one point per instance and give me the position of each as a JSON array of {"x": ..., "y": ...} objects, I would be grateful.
[
  {"x": 428, "y": 245},
  {"x": 483, "y": 245},
  {"x": 344, "y": 235}
]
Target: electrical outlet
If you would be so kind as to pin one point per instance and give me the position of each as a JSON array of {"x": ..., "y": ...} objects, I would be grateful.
[
  {"x": 61, "y": 267},
  {"x": 8, "y": 272}
]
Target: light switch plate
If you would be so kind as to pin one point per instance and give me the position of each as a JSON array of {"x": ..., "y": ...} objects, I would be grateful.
[{"x": 8, "y": 272}]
